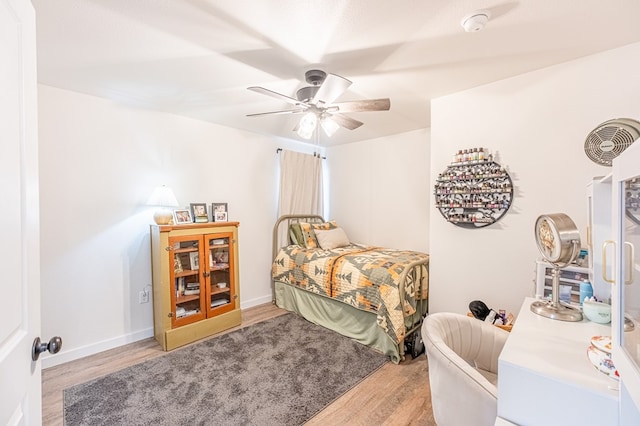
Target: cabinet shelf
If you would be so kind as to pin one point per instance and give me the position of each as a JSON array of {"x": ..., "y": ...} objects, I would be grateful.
[
  {"x": 219, "y": 267},
  {"x": 186, "y": 273},
  {"x": 185, "y": 250},
  {"x": 188, "y": 298}
]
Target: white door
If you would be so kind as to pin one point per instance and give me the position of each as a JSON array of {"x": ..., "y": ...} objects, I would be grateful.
[{"x": 20, "y": 388}]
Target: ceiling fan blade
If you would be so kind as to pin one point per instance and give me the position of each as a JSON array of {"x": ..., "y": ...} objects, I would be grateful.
[
  {"x": 332, "y": 87},
  {"x": 363, "y": 105},
  {"x": 287, "y": 111},
  {"x": 346, "y": 122},
  {"x": 276, "y": 95}
]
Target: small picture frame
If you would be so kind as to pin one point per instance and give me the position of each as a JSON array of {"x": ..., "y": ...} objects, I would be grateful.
[
  {"x": 199, "y": 212},
  {"x": 219, "y": 212},
  {"x": 177, "y": 265},
  {"x": 182, "y": 216},
  {"x": 220, "y": 217},
  {"x": 194, "y": 261}
]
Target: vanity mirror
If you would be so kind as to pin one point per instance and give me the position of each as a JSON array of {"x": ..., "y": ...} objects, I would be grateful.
[{"x": 558, "y": 240}]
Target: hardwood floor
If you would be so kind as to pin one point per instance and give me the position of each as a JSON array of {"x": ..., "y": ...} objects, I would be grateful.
[{"x": 393, "y": 395}]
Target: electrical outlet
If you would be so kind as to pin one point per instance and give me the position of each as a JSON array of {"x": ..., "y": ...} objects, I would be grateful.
[{"x": 143, "y": 296}]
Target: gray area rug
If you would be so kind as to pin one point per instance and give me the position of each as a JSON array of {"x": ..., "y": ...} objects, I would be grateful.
[{"x": 278, "y": 372}]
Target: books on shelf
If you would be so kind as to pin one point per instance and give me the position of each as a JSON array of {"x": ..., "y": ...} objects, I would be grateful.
[
  {"x": 218, "y": 302},
  {"x": 182, "y": 312},
  {"x": 191, "y": 288},
  {"x": 186, "y": 288}
]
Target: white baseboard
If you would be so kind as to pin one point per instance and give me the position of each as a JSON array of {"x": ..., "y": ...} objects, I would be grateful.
[
  {"x": 77, "y": 353},
  {"x": 255, "y": 302}
]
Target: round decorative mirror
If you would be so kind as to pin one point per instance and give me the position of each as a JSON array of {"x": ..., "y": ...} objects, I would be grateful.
[{"x": 558, "y": 240}]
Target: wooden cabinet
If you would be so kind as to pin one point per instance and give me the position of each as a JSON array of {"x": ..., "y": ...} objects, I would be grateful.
[{"x": 195, "y": 281}]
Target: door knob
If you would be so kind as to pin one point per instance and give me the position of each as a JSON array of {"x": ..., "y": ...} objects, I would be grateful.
[{"x": 53, "y": 346}]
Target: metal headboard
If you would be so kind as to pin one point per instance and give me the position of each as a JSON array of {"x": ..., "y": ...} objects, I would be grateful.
[{"x": 288, "y": 219}]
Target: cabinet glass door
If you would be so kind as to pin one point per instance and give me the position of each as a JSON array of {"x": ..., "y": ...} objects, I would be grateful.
[
  {"x": 630, "y": 275},
  {"x": 187, "y": 295},
  {"x": 626, "y": 303},
  {"x": 221, "y": 294}
]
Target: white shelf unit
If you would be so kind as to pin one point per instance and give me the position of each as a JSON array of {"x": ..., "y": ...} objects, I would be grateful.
[{"x": 571, "y": 275}]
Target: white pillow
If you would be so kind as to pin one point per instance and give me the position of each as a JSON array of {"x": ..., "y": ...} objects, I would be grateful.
[{"x": 331, "y": 238}]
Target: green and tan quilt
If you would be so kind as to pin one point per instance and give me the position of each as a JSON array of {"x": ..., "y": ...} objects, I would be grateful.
[{"x": 367, "y": 278}]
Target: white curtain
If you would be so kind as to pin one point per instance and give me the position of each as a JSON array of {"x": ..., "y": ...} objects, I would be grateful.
[{"x": 300, "y": 184}]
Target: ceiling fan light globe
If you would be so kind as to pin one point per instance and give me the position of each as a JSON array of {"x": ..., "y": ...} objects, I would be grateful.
[
  {"x": 307, "y": 125},
  {"x": 329, "y": 126}
]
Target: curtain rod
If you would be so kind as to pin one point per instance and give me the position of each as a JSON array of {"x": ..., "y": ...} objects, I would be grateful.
[{"x": 315, "y": 154}]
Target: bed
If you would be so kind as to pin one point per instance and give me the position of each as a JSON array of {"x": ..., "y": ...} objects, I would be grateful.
[{"x": 353, "y": 289}]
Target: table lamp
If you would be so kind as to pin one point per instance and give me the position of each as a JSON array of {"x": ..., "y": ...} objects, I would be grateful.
[{"x": 163, "y": 197}]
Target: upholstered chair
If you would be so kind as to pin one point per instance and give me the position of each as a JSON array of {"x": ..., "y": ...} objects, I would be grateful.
[{"x": 463, "y": 368}]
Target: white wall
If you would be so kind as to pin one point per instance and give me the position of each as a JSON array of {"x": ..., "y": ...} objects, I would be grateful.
[
  {"x": 537, "y": 124},
  {"x": 99, "y": 162},
  {"x": 380, "y": 192}
]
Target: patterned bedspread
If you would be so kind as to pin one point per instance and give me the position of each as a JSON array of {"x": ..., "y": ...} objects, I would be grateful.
[{"x": 367, "y": 278}]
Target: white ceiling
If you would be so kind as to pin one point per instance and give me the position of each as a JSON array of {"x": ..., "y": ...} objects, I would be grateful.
[{"x": 197, "y": 57}]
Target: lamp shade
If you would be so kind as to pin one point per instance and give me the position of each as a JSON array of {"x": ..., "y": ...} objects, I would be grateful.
[{"x": 162, "y": 196}]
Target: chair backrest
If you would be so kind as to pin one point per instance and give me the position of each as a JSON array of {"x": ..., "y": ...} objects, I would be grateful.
[{"x": 462, "y": 352}]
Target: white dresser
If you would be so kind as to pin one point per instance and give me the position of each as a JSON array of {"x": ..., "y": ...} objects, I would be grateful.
[{"x": 545, "y": 377}]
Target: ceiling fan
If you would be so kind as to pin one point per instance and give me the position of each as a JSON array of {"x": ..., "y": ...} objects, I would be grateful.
[{"x": 317, "y": 104}]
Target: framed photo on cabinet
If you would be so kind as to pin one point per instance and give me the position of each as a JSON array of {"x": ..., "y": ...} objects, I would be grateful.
[
  {"x": 199, "y": 211},
  {"x": 182, "y": 216},
  {"x": 219, "y": 212},
  {"x": 194, "y": 261}
]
